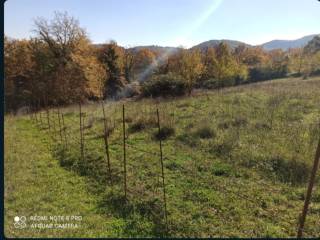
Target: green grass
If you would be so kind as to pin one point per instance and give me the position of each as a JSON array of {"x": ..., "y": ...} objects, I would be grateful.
[
  {"x": 236, "y": 163},
  {"x": 35, "y": 185}
]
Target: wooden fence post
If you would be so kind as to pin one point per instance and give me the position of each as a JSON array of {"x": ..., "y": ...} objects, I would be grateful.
[
  {"x": 40, "y": 119},
  {"x": 162, "y": 172},
  {"x": 64, "y": 131},
  {"x": 81, "y": 133},
  {"x": 124, "y": 153},
  {"x": 106, "y": 143},
  {"x": 53, "y": 125},
  {"x": 59, "y": 123},
  {"x": 35, "y": 117},
  {"x": 48, "y": 118},
  {"x": 309, "y": 191}
]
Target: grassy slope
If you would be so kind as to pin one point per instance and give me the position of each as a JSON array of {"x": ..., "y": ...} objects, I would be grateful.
[
  {"x": 237, "y": 182},
  {"x": 35, "y": 184}
]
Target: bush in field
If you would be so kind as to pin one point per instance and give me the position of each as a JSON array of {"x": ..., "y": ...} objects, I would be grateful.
[
  {"x": 164, "y": 85},
  {"x": 164, "y": 133},
  {"x": 291, "y": 171},
  {"x": 137, "y": 127},
  {"x": 211, "y": 84},
  {"x": 205, "y": 132},
  {"x": 266, "y": 73}
]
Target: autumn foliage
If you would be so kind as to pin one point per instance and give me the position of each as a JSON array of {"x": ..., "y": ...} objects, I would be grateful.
[{"x": 60, "y": 66}]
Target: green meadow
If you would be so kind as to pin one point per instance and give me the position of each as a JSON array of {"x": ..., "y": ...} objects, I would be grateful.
[{"x": 236, "y": 163}]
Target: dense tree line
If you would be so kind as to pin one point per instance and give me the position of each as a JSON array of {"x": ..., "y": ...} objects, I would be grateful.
[{"x": 61, "y": 66}]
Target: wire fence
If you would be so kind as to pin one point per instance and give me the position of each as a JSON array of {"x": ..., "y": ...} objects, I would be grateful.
[{"x": 81, "y": 129}]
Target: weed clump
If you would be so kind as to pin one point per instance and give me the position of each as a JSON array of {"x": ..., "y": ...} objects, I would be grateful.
[
  {"x": 239, "y": 121},
  {"x": 115, "y": 202},
  {"x": 290, "y": 171},
  {"x": 187, "y": 139},
  {"x": 262, "y": 126},
  {"x": 66, "y": 159},
  {"x": 128, "y": 119},
  {"x": 236, "y": 122},
  {"x": 164, "y": 133},
  {"x": 173, "y": 166},
  {"x": 136, "y": 127},
  {"x": 222, "y": 170},
  {"x": 205, "y": 132},
  {"x": 222, "y": 149}
]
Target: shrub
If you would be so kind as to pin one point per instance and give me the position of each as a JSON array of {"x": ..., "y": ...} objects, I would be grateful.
[
  {"x": 211, "y": 84},
  {"x": 164, "y": 133},
  {"x": 116, "y": 203},
  {"x": 187, "y": 139},
  {"x": 220, "y": 83},
  {"x": 142, "y": 123},
  {"x": 238, "y": 121},
  {"x": 137, "y": 127},
  {"x": 152, "y": 207},
  {"x": 266, "y": 73},
  {"x": 291, "y": 171},
  {"x": 224, "y": 148},
  {"x": 205, "y": 132},
  {"x": 164, "y": 85}
]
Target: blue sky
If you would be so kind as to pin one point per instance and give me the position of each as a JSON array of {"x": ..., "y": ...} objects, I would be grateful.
[{"x": 173, "y": 22}]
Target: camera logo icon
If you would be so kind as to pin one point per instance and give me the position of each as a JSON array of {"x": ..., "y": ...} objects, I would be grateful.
[{"x": 20, "y": 222}]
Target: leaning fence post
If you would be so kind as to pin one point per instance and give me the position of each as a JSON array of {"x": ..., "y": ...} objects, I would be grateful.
[
  {"x": 162, "y": 172},
  {"x": 106, "y": 143},
  {"x": 81, "y": 134},
  {"x": 309, "y": 191}
]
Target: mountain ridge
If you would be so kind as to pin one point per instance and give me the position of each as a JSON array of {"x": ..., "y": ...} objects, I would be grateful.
[
  {"x": 268, "y": 46},
  {"x": 286, "y": 44}
]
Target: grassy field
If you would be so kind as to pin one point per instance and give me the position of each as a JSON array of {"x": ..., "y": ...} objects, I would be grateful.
[{"x": 236, "y": 163}]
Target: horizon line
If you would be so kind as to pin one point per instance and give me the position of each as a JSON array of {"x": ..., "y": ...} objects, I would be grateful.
[{"x": 128, "y": 46}]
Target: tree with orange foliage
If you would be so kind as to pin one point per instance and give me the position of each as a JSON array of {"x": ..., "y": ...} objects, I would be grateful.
[
  {"x": 188, "y": 65},
  {"x": 18, "y": 64},
  {"x": 75, "y": 72},
  {"x": 144, "y": 64}
]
